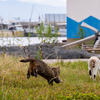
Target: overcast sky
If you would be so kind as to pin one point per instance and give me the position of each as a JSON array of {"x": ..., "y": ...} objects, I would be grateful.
[
  {"x": 23, "y": 8},
  {"x": 47, "y": 2}
]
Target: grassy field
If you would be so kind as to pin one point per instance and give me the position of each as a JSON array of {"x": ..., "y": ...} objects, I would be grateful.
[{"x": 76, "y": 83}]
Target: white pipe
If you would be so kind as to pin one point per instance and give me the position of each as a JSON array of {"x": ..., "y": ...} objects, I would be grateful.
[
  {"x": 90, "y": 27},
  {"x": 80, "y": 41}
]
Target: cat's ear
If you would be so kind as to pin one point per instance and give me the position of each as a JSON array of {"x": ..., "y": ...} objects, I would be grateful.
[
  {"x": 58, "y": 67},
  {"x": 51, "y": 67}
]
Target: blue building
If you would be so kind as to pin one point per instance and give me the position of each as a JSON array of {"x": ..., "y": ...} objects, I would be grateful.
[{"x": 79, "y": 11}]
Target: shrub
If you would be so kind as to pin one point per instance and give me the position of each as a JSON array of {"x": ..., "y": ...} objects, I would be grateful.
[{"x": 47, "y": 33}]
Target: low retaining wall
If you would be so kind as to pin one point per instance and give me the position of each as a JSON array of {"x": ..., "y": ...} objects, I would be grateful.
[{"x": 8, "y": 33}]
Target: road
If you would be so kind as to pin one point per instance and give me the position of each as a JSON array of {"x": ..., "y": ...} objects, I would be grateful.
[{"x": 64, "y": 60}]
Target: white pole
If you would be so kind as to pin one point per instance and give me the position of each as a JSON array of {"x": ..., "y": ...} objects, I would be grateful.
[
  {"x": 80, "y": 41},
  {"x": 90, "y": 27}
]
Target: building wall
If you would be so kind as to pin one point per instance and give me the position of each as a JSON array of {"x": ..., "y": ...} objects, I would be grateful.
[
  {"x": 79, "y": 11},
  {"x": 55, "y": 17}
]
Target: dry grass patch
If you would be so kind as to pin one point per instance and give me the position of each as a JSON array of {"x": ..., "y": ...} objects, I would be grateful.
[{"x": 14, "y": 84}]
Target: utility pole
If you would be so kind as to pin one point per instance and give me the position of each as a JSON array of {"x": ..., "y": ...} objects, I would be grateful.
[
  {"x": 31, "y": 17},
  {"x": 54, "y": 20},
  {"x": 1, "y": 22},
  {"x": 19, "y": 20},
  {"x": 39, "y": 18}
]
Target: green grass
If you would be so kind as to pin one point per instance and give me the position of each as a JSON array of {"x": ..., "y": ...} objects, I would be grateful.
[{"x": 76, "y": 83}]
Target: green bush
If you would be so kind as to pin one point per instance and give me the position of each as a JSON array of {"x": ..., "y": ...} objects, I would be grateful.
[
  {"x": 47, "y": 33},
  {"x": 80, "y": 34}
]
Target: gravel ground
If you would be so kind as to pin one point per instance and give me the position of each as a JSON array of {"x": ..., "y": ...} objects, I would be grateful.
[{"x": 49, "y": 51}]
